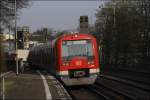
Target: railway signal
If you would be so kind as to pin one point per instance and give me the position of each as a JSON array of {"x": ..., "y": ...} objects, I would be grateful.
[
  {"x": 23, "y": 37},
  {"x": 83, "y": 24}
]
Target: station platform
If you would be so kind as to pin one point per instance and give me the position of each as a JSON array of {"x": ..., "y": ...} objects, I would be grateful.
[{"x": 32, "y": 85}]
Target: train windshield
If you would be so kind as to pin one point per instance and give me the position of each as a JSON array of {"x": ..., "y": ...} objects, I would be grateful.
[{"x": 77, "y": 48}]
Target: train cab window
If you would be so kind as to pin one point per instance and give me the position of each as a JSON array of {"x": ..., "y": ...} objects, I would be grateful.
[{"x": 77, "y": 48}]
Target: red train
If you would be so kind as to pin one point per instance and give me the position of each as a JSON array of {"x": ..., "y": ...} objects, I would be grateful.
[{"x": 73, "y": 58}]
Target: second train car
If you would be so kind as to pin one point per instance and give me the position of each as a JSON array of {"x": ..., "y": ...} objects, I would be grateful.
[{"x": 73, "y": 58}]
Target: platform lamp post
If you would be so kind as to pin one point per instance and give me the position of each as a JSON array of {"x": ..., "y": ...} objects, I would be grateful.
[
  {"x": 114, "y": 13},
  {"x": 16, "y": 47}
]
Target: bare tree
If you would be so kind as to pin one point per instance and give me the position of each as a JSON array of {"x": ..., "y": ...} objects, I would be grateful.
[
  {"x": 124, "y": 29},
  {"x": 7, "y": 12}
]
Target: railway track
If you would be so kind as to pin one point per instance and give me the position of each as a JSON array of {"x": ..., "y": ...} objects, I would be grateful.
[
  {"x": 85, "y": 93},
  {"x": 108, "y": 93},
  {"x": 115, "y": 88},
  {"x": 136, "y": 76},
  {"x": 100, "y": 91},
  {"x": 96, "y": 92},
  {"x": 110, "y": 88},
  {"x": 132, "y": 83}
]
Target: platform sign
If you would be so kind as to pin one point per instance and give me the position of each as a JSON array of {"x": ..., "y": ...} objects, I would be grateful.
[
  {"x": 74, "y": 42},
  {"x": 78, "y": 73}
]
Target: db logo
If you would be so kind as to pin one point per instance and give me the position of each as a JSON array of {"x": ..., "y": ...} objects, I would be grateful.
[{"x": 78, "y": 62}]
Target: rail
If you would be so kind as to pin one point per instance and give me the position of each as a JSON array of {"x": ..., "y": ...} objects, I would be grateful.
[{"x": 123, "y": 88}]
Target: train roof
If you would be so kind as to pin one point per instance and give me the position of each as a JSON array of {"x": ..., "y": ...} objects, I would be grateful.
[
  {"x": 76, "y": 36},
  {"x": 73, "y": 36}
]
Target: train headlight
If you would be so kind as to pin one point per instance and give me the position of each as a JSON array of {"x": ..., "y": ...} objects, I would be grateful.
[
  {"x": 90, "y": 62},
  {"x": 75, "y": 35},
  {"x": 65, "y": 64}
]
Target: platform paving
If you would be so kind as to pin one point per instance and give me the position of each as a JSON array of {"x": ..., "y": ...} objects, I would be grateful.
[{"x": 29, "y": 86}]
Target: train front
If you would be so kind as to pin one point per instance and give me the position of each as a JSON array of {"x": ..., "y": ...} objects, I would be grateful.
[{"x": 78, "y": 60}]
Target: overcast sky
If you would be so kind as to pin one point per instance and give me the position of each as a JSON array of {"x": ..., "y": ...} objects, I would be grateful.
[{"x": 59, "y": 15}]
